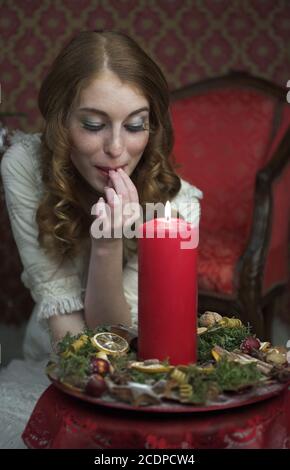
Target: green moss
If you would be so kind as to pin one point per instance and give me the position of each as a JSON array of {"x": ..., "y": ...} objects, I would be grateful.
[
  {"x": 74, "y": 369},
  {"x": 227, "y": 338},
  {"x": 232, "y": 376}
]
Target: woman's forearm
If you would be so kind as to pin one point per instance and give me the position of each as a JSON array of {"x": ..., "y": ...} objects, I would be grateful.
[
  {"x": 105, "y": 302},
  {"x": 60, "y": 325}
]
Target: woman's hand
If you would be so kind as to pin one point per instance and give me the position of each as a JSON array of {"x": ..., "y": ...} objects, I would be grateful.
[{"x": 121, "y": 209}]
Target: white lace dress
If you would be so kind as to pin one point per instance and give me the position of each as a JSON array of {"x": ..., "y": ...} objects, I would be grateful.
[{"x": 54, "y": 288}]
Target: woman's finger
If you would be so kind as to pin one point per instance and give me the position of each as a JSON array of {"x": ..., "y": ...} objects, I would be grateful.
[
  {"x": 112, "y": 197},
  {"x": 115, "y": 206},
  {"x": 131, "y": 211},
  {"x": 99, "y": 208},
  {"x": 129, "y": 185},
  {"x": 102, "y": 225},
  {"x": 119, "y": 185}
]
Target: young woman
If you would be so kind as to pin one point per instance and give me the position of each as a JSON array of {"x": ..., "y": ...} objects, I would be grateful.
[{"x": 106, "y": 142}]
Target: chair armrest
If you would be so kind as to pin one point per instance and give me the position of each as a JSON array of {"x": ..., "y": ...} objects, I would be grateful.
[{"x": 249, "y": 271}]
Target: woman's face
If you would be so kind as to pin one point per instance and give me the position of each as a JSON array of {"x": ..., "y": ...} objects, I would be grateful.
[{"x": 106, "y": 129}]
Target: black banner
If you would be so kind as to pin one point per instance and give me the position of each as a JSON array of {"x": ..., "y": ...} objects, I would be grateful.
[{"x": 227, "y": 458}]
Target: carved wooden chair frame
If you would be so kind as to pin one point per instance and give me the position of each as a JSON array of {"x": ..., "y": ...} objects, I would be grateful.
[{"x": 248, "y": 302}]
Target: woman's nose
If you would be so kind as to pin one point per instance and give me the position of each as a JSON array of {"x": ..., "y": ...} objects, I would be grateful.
[{"x": 114, "y": 145}]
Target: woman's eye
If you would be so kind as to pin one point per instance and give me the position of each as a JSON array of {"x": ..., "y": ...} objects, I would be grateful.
[
  {"x": 92, "y": 127},
  {"x": 135, "y": 128},
  {"x": 96, "y": 128}
]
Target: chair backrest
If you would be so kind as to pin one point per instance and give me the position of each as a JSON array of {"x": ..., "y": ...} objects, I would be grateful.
[{"x": 223, "y": 131}]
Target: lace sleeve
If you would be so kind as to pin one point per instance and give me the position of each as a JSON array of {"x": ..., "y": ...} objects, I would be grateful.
[{"x": 56, "y": 288}]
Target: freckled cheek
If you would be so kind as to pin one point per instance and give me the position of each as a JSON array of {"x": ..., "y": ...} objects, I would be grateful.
[
  {"x": 138, "y": 146},
  {"x": 85, "y": 144}
]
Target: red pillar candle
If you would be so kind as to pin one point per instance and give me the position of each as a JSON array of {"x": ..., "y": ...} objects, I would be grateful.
[{"x": 167, "y": 290}]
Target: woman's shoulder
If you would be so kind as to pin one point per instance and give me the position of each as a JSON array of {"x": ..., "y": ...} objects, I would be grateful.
[
  {"x": 187, "y": 202},
  {"x": 27, "y": 140},
  {"x": 188, "y": 190},
  {"x": 22, "y": 156}
]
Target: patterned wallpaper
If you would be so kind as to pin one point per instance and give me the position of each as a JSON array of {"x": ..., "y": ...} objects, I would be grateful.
[{"x": 190, "y": 39}]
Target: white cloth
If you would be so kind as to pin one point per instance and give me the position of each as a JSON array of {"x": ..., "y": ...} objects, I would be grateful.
[{"x": 54, "y": 288}]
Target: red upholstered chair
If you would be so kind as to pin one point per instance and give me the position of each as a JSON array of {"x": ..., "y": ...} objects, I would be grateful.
[{"x": 232, "y": 140}]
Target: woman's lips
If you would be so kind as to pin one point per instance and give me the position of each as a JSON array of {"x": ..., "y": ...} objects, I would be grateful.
[
  {"x": 103, "y": 172},
  {"x": 106, "y": 172}
]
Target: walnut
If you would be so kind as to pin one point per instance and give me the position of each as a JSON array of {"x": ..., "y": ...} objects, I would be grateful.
[{"x": 208, "y": 319}]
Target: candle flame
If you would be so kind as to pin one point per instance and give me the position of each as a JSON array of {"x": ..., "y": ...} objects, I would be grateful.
[{"x": 168, "y": 211}]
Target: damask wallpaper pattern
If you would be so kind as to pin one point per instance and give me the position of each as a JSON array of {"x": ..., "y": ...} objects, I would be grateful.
[{"x": 190, "y": 39}]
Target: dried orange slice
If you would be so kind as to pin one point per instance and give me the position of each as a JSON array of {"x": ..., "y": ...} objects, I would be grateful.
[
  {"x": 150, "y": 368},
  {"x": 110, "y": 343}
]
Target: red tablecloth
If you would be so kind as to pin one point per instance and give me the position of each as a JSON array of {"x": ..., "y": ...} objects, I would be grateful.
[{"x": 63, "y": 422}]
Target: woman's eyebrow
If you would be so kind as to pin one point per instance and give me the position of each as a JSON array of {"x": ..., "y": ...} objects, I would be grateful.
[{"x": 100, "y": 111}]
